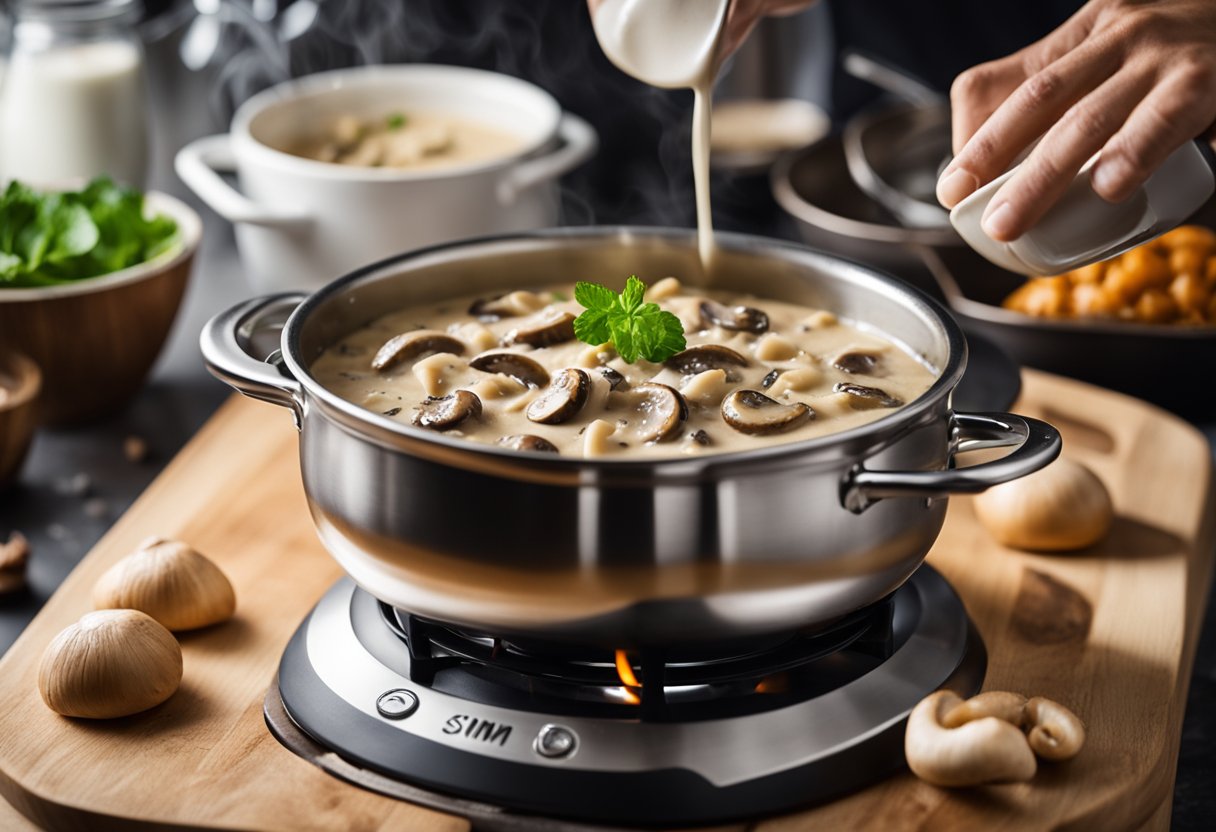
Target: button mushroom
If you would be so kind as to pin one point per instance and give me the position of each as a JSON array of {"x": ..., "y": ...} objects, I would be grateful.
[
  {"x": 510, "y": 305},
  {"x": 983, "y": 750},
  {"x": 519, "y": 367},
  {"x": 545, "y": 330},
  {"x": 707, "y": 357},
  {"x": 528, "y": 442},
  {"x": 734, "y": 318},
  {"x": 662, "y": 411},
  {"x": 869, "y": 396},
  {"x": 615, "y": 379},
  {"x": 564, "y": 397},
  {"x": 414, "y": 344},
  {"x": 858, "y": 362},
  {"x": 447, "y": 412},
  {"x": 754, "y": 413}
]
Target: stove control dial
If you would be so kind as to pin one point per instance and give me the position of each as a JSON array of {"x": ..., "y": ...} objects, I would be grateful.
[
  {"x": 397, "y": 704},
  {"x": 555, "y": 742}
]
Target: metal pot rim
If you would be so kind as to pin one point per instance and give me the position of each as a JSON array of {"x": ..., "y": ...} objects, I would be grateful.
[{"x": 390, "y": 432}]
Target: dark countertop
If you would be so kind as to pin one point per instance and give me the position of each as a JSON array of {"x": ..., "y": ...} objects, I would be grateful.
[{"x": 77, "y": 483}]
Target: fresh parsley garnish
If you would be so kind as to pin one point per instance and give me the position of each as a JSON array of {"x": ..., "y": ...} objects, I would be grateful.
[
  {"x": 52, "y": 238},
  {"x": 634, "y": 328},
  {"x": 395, "y": 121}
]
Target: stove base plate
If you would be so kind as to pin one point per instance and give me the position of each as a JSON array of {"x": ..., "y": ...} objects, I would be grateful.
[{"x": 623, "y": 772}]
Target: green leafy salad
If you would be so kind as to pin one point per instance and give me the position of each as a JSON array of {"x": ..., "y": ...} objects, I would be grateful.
[{"x": 51, "y": 238}]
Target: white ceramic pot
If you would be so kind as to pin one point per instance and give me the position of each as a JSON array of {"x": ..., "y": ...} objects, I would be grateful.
[{"x": 301, "y": 223}]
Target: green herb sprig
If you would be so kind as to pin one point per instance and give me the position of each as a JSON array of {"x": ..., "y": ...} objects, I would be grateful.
[
  {"x": 636, "y": 329},
  {"x": 52, "y": 238}
]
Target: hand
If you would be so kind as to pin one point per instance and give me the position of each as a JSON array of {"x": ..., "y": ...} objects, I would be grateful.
[
  {"x": 1134, "y": 79},
  {"x": 742, "y": 17}
]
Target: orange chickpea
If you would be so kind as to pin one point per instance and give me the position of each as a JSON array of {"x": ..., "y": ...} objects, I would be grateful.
[
  {"x": 1190, "y": 292},
  {"x": 1156, "y": 307},
  {"x": 1092, "y": 273},
  {"x": 1189, "y": 236},
  {"x": 1091, "y": 300},
  {"x": 1045, "y": 297},
  {"x": 1145, "y": 269},
  {"x": 1188, "y": 260}
]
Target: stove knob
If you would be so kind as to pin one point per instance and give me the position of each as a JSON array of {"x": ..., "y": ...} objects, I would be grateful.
[
  {"x": 396, "y": 704},
  {"x": 555, "y": 741}
]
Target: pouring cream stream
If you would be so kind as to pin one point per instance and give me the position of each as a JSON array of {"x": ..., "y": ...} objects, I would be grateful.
[{"x": 671, "y": 44}]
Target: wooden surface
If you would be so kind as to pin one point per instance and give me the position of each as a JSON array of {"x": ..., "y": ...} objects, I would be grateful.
[{"x": 1110, "y": 632}]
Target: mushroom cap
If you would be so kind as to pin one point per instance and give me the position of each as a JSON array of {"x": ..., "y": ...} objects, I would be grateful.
[
  {"x": 528, "y": 442},
  {"x": 662, "y": 410},
  {"x": 734, "y": 318},
  {"x": 857, "y": 362},
  {"x": 706, "y": 357},
  {"x": 871, "y": 396},
  {"x": 409, "y": 345},
  {"x": 544, "y": 330},
  {"x": 446, "y": 412},
  {"x": 518, "y": 366},
  {"x": 564, "y": 397},
  {"x": 754, "y": 413}
]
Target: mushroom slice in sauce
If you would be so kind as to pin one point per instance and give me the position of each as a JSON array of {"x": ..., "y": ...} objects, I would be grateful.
[
  {"x": 446, "y": 412},
  {"x": 706, "y": 357},
  {"x": 564, "y": 397},
  {"x": 873, "y": 396},
  {"x": 772, "y": 376},
  {"x": 614, "y": 378},
  {"x": 528, "y": 442},
  {"x": 415, "y": 344},
  {"x": 857, "y": 362},
  {"x": 662, "y": 411},
  {"x": 543, "y": 331},
  {"x": 754, "y": 413},
  {"x": 523, "y": 369},
  {"x": 510, "y": 305},
  {"x": 734, "y": 318}
]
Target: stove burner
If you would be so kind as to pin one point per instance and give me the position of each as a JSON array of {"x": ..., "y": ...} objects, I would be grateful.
[
  {"x": 420, "y": 710},
  {"x": 656, "y": 684}
]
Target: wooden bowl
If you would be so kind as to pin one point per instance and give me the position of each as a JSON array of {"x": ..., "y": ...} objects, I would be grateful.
[
  {"x": 96, "y": 339},
  {"x": 20, "y": 381}
]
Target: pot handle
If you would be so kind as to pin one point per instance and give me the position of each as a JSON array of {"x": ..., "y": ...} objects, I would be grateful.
[
  {"x": 579, "y": 142},
  {"x": 229, "y": 343},
  {"x": 197, "y": 164},
  {"x": 1036, "y": 444}
]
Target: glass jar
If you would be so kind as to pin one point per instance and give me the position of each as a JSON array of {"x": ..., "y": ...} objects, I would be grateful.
[{"x": 73, "y": 102}]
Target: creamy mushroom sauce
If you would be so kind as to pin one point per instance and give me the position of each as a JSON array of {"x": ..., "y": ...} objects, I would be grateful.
[{"x": 823, "y": 375}]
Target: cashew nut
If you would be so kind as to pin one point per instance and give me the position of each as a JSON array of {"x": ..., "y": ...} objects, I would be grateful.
[
  {"x": 1055, "y": 733},
  {"x": 983, "y": 750},
  {"x": 998, "y": 703}
]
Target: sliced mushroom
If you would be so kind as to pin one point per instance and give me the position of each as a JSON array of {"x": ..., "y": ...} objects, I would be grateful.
[
  {"x": 734, "y": 318},
  {"x": 857, "y": 362},
  {"x": 528, "y": 442},
  {"x": 871, "y": 396},
  {"x": 614, "y": 379},
  {"x": 545, "y": 330},
  {"x": 510, "y": 305},
  {"x": 754, "y": 413},
  {"x": 519, "y": 367},
  {"x": 701, "y": 438},
  {"x": 662, "y": 411},
  {"x": 414, "y": 344},
  {"x": 446, "y": 412},
  {"x": 772, "y": 376},
  {"x": 707, "y": 357},
  {"x": 564, "y": 397}
]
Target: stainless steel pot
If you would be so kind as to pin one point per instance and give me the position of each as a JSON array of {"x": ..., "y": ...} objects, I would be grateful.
[{"x": 617, "y": 552}]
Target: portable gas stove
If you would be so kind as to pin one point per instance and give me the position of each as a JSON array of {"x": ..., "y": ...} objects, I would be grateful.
[{"x": 661, "y": 736}]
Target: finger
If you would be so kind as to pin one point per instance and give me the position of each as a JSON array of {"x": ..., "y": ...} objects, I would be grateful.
[
  {"x": 1043, "y": 178},
  {"x": 1177, "y": 110},
  {"x": 976, "y": 93},
  {"x": 1024, "y": 116}
]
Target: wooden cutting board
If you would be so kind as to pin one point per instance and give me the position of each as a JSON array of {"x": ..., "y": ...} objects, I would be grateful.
[{"x": 1110, "y": 632}]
